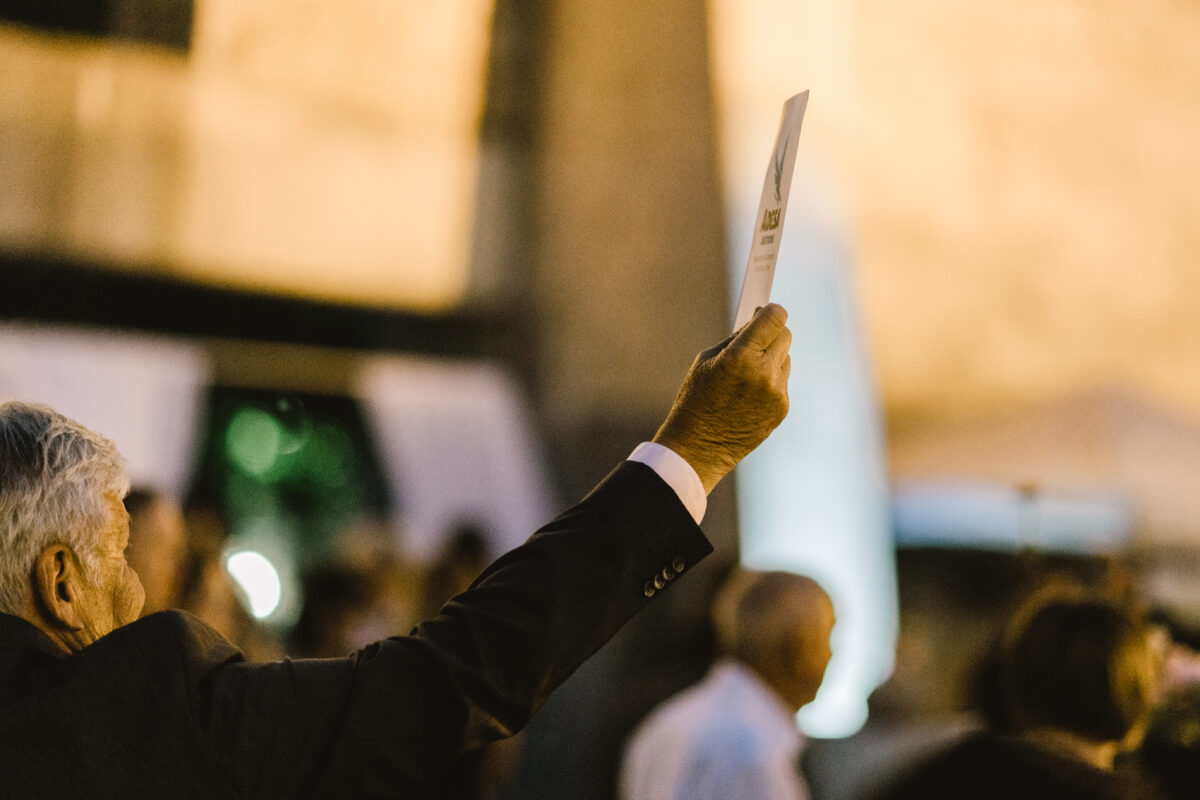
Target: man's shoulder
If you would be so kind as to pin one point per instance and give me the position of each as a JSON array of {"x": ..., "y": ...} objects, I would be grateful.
[
  {"x": 165, "y": 636},
  {"x": 173, "y": 622}
]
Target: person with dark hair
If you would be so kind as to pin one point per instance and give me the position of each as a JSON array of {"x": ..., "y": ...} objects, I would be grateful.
[
  {"x": 1076, "y": 677},
  {"x": 96, "y": 703},
  {"x": 734, "y": 735},
  {"x": 1079, "y": 671}
]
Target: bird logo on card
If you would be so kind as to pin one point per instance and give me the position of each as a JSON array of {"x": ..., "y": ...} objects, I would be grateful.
[{"x": 779, "y": 170}]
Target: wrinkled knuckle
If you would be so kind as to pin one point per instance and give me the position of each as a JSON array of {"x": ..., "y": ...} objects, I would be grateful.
[{"x": 741, "y": 359}]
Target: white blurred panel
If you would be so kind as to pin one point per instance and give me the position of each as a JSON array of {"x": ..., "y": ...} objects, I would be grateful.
[
  {"x": 144, "y": 393},
  {"x": 813, "y": 498},
  {"x": 998, "y": 517},
  {"x": 457, "y": 445}
]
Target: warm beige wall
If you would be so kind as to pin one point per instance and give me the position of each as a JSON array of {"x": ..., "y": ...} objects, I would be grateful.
[
  {"x": 1021, "y": 183},
  {"x": 1025, "y": 186},
  {"x": 326, "y": 150}
]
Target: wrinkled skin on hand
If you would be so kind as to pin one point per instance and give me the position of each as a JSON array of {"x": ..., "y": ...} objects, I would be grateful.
[{"x": 734, "y": 395}]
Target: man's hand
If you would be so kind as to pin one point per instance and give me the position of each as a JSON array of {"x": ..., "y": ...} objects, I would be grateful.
[{"x": 732, "y": 398}]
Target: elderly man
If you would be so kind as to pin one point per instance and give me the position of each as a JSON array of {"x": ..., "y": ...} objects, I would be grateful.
[
  {"x": 733, "y": 735},
  {"x": 95, "y": 704}
]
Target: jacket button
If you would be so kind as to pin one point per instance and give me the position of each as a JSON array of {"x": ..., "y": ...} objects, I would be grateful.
[
  {"x": 668, "y": 573},
  {"x": 659, "y": 582},
  {"x": 678, "y": 564},
  {"x": 648, "y": 589}
]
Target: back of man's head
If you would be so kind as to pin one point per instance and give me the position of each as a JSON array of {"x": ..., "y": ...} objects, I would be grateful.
[
  {"x": 778, "y": 624},
  {"x": 54, "y": 477},
  {"x": 1080, "y": 664}
]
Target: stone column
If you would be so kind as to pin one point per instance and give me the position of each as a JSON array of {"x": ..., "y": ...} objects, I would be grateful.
[{"x": 626, "y": 278}]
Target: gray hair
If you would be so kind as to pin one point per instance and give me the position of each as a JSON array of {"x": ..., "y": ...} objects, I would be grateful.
[{"x": 54, "y": 477}]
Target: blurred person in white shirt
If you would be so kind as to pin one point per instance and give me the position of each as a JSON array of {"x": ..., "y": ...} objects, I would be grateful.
[{"x": 734, "y": 735}]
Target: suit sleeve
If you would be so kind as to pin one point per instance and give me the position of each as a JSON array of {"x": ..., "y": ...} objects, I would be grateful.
[{"x": 391, "y": 718}]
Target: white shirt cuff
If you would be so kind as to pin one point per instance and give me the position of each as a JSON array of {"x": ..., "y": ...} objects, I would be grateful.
[{"x": 678, "y": 474}]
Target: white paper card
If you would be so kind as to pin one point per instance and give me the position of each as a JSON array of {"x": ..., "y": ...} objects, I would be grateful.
[{"x": 760, "y": 267}]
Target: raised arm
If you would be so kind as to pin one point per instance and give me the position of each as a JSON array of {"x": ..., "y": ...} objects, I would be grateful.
[{"x": 394, "y": 716}]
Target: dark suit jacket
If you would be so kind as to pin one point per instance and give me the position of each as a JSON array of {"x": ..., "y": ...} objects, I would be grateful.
[{"x": 166, "y": 708}]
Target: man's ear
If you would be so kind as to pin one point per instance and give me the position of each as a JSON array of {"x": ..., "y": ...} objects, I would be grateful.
[{"x": 56, "y": 582}]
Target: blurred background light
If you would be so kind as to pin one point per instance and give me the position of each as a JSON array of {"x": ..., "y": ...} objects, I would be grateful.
[
  {"x": 263, "y": 557},
  {"x": 254, "y": 441},
  {"x": 258, "y": 579}
]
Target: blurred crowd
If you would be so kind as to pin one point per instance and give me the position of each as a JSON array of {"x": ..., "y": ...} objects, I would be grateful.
[
  {"x": 1084, "y": 692},
  {"x": 1027, "y": 675}
]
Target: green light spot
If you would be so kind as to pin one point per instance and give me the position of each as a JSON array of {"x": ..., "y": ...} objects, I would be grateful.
[{"x": 253, "y": 441}]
